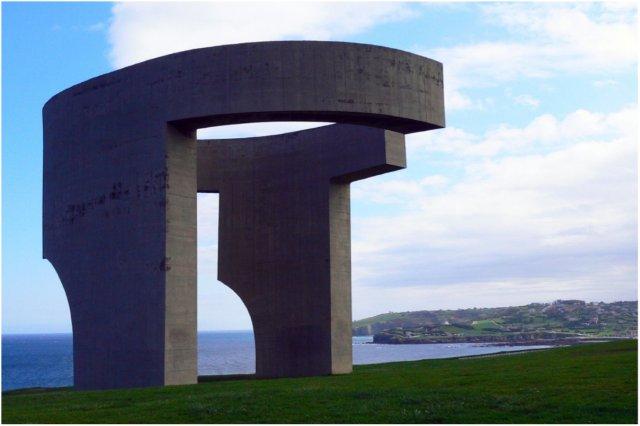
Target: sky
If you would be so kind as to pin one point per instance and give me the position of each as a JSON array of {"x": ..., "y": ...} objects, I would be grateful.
[{"x": 528, "y": 195}]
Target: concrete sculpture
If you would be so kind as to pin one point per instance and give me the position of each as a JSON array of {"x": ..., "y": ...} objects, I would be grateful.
[{"x": 122, "y": 168}]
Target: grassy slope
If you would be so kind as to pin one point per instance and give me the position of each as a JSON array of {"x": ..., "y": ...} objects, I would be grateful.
[{"x": 581, "y": 384}]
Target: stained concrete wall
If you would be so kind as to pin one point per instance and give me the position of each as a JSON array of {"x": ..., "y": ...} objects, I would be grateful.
[
  {"x": 284, "y": 236},
  {"x": 119, "y": 180}
]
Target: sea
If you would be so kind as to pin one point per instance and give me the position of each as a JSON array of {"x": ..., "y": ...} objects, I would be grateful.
[{"x": 46, "y": 360}]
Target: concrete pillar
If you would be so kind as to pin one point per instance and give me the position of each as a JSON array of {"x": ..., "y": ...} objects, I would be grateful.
[{"x": 284, "y": 238}]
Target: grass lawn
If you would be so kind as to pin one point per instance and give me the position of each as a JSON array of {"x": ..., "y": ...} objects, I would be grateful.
[{"x": 595, "y": 383}]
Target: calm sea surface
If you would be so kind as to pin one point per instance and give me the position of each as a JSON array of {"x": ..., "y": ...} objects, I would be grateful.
[{"x": 46, "y": 360}]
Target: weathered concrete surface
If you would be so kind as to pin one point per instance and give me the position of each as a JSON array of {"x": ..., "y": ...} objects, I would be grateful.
[
  {"x": 119, "y": 184},
  {"x": 284, "y": 239}
]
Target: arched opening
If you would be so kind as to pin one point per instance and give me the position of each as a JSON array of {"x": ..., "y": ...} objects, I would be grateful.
[{"x": 225, "y": 332}]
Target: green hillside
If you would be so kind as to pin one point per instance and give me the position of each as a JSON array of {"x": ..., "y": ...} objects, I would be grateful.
[
  {"x": 594, "y": 383},
  {"x": 562, "y": 319}
]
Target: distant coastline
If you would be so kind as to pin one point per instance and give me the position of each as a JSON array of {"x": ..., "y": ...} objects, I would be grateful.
[
  {"x": 497, "y": 341},
  {"x": 563, "y": 322}
]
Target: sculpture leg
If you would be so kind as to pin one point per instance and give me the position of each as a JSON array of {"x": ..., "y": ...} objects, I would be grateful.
[
  {"x": 124, "y": 245},
  {"x": 283, "y": 258},
  {"x": 284, "y": 239},
  {"x": 181, "y": 300},
  {"x": 340, "y": 265}
]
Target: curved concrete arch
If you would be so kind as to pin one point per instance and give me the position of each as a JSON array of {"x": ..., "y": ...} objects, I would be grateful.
[
  {"x": 266, "y": 81},
  {"x": 120, "y": 179}
]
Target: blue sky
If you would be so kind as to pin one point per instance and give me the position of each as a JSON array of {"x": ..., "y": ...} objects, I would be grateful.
[{"x": 528, "y": 195}]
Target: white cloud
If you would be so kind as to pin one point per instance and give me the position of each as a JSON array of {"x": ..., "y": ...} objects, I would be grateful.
[
  {"x": 546, "y": 40},
  {"x": 605, "y": 83},
  {"x": 597, "y": 31},
  {"x": 98, "y": 26},
  {"x": 527, "y": 100},
  {"x": 544, "y": 132},
  {"x": 577, "y": 37},
  {"x": 396, "y": 191},
  {"x": 144, "y": 30},
  {"x": 533, "y": 225}
]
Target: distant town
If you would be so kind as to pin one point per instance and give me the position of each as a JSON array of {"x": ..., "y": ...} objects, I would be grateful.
[{"x": 559, "y": 322}]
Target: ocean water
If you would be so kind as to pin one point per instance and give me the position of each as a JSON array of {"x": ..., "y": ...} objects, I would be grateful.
[{"x": 46, "y": 360}]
